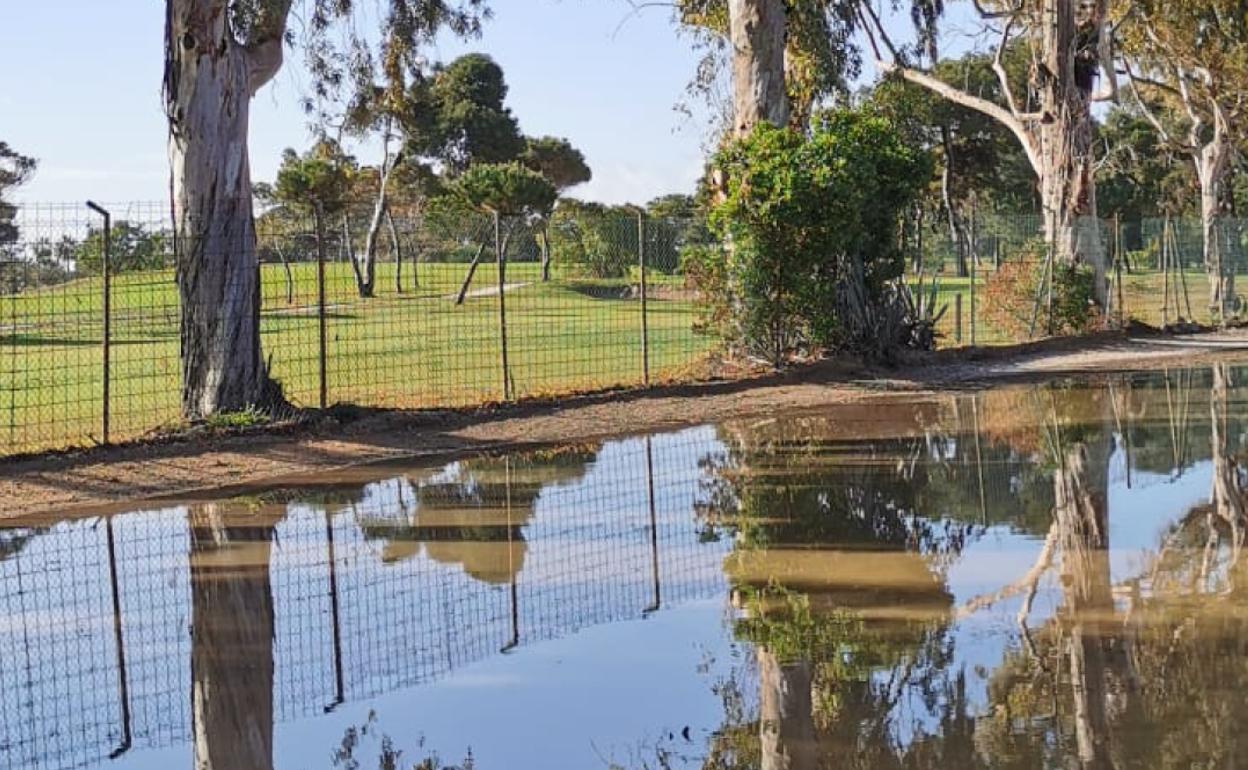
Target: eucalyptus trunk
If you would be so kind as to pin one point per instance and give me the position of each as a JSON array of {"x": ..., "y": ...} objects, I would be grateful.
[
  {"x": 1071, "y": 46},
  {"x": 232, "y": 615},
  {"x": 1081, "y": 488},
  {"x": 786, "y": 717},
  {"x": 757, "y": 35},
  {"x": 210, "y": 78},
  {"x": 1213, "y": 166}
]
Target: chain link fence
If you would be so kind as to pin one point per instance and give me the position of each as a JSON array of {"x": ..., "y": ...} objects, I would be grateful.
[{"x": 422, "y": 309}]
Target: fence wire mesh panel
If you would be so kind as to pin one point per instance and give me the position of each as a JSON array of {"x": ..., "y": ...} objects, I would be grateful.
[
  {"x": 112, "y": 628},
  {"x": 419, "y": 308},
  {"x": 415, "y": 309}
]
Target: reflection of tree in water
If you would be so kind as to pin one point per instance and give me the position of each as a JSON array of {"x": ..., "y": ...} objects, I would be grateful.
[
  {"x": 839, "y": 579},
  {"x": 472, "y": 513},
  {"x": 232, "y": 636}
]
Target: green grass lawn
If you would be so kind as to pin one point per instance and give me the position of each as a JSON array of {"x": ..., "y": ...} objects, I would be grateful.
[{"x": 411, "y": 349}]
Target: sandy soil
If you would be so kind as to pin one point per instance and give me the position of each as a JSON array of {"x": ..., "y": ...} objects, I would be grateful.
[{"x": 121, "y": 477}]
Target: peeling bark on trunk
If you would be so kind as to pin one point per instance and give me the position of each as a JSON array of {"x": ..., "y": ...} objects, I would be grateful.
[
  {"x": 210, "y": 78},
  {"x": 786, "y": 716},
  {"x": 757, "y": 35},
  {"x": 1213, "y": 166},
  {"x": 1071, "y": 44},
  {"x": 232, "y": 640}
]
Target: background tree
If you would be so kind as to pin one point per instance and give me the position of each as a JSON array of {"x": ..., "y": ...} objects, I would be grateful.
[
  {"x": 15, "y": 170},
  {"x": 218, "y": 55},
  {"x": 503, "y": 190},
  {"x": 1191, "y": 58},
  {"x": 564, "y": 167},
  {"x": 133, "y": 247},
  {"x": 1069, "y": 47}
]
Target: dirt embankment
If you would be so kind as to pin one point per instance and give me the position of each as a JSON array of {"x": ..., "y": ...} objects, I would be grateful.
[{"x": 127, "y": 476}]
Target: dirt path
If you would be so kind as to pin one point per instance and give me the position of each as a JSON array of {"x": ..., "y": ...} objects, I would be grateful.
[{"x": 124, "y": 476}]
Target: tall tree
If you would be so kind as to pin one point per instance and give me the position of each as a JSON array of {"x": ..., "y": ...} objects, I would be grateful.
[
  {"x": 15, "y": 170},
  {"x": 564, "y": 167},
  {"x": 1070, "y": 46},
  {"x": 757, "y": 34},
  {"x": 218, "y": 55},
  {"x": 1191, "y": 58}
]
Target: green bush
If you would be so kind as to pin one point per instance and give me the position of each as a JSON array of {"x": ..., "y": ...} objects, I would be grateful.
[{"x": 813, "y": 223}]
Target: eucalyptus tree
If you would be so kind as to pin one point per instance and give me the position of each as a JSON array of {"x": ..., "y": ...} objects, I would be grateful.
[
  {"x": 1187, "y": 65},
  {"x": 218, "y": 55},
  {"x": 1070, "y": 47}
]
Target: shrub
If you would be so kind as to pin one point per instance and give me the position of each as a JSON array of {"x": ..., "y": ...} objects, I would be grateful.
[
  {"x": 705, "y": 268},
  {"x": 814, "y": 227},
  {"x": 1018, "y": 292}
]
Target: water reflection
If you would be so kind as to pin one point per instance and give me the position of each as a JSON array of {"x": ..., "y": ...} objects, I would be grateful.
[{"x": 1030, "y": 577}]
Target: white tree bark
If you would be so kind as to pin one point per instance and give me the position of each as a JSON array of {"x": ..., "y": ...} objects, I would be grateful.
[
  {"x": 366, "y": 273},
  {"x": 1072, "y": 44},
  {"x": 210, "y": 78},
  {"x": 757, "y": 35},
  {"x": 786, "y": 717}
]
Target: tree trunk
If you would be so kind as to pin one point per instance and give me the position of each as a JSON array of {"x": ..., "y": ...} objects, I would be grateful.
[
  {"x": 1083, "y": 535},
  {"x": 397, "y": 245},
  {"x": 786, "y": 717},
  {"x": 366, "y": 275},
  {"x": 757, "y": 34},
  {"x": 232, "y": 640},
  {"x": 210, "y": 79},
  {"x": 544, "y": 233},
  {"x": 1067, "y": 83},
  {"x": 956, "y": 235},
  {"x": 1212, "y": 169},
  {"x": 472, "y": 271}
]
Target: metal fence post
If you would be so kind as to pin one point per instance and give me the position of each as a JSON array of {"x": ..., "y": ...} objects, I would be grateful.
[
  {"x": 645, "y": 305},
  {"x": 123, "y": 680},
  {"x": 502, "y": 305},
  {"x": 106, "y": 339},
  {"x": 322, "y": 348}
]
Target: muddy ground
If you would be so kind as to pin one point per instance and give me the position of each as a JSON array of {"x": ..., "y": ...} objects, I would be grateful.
[{"x": 123, "y": 477}]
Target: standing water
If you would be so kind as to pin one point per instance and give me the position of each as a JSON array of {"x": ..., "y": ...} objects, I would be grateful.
[{"x": 1027, "y": 577}]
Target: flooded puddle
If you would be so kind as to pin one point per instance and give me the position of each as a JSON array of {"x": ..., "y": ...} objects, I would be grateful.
[{"x": 1028, "y": 577}]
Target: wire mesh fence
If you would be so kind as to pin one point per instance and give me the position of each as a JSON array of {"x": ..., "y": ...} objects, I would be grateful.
[
  {"x": 430, "y": 311},
  {"x": 114, "y": 627},
  {"x": 423, "y": 309}
]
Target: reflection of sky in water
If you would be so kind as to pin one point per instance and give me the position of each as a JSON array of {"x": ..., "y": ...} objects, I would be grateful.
[{"x": 421, "y": 634}]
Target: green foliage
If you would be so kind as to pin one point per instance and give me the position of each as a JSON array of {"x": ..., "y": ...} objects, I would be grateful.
[
  {"x": 600, "y": 239},
  {"x": 557, "y": 160},
  {"x": 15, "y": 170},
  {"x": 472, "y": 123},
  {"x": 1019, "y": 291},
  {"x": 133, "y": 247},
  {"x": 814, "y": 224},
  {"x": 510, "y": 189},
  {"x": 321, "y": 176}
]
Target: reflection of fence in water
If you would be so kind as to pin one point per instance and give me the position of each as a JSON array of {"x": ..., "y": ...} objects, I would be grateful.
[{"x": 367, "y": 621}]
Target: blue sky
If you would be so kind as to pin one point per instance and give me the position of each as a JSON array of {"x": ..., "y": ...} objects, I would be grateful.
[{"x": 82, "y": 94}]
